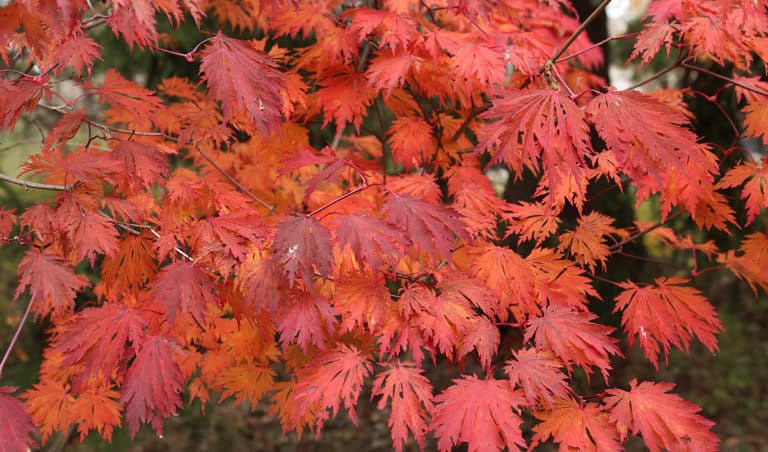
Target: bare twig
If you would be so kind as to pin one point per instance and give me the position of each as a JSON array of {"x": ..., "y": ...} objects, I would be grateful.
[
  {"x": 134, "y": 231},
  {"x": 16, "y": 334},
  {"x": 596, "y": 45},
  {"x": 725, "y": 78},
  {"x": 27, "y": 184},
  {"x": 616, "y": 247},
  {"x": 583, "y": 26},
  {"x": 675, "y": 65}
]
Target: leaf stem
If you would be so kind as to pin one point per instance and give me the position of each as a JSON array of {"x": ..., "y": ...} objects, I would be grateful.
[
  {"x": 16, "y": 334},
  {"x": 339, "y": 199},
  {"x": 583, "y": 26},
  {"x": 234, "y": 181}
]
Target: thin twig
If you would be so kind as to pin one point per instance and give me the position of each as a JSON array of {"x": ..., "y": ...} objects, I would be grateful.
[
  {"x": 234, "y": 181},
  {"x": 579, "y": 30},
  {"x": 596, "y": 45},
  {"x": 675, "y": 65},
  {"x": 17, "y": 333},
  {"x": 134, "y": 231},
  {"x": 725, "y": 78},
  {"x": 175, "y": 248},
  {"x": 617, "y": 246},
  {"x": 27, "y": 184},
  {"x": 464, "y": 125}
]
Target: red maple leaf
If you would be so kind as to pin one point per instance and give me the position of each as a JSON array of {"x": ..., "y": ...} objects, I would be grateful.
[
  {"x": 64, "y": 129},
  {"x": 653, "y": 36},
  {"x": 243, "y": 79},
  {"x": 16, "y": 425},
  {"x": 754, "y": 176},
  {"x": 8, "y": 220},
  {"x": 344, "y": 96},
  {"x": 666, "y": 421},
  {"x": 388, "y": 70},
  {"x": 540, "y": 129},
  {"x": 102, "y": 339},
  {"x": 302, "y": 245},
  {"x": 153, "y": 384},
  {"x": 51, "y": 282},
  {"x": 306, "y": 321},
  {"x": 141, "y": 162},
  {"x": 646, "y": 154},
  {"x": 78, "y": 50},
  {"x": 395, "y": 30},
  {"x": 333, "y": 378},
  {"x": 576, "y": 426},
  {"x": 482, "y": 413},
  {"x": 539, "y": 374},
  {"x": 481, "y": 334},
  {"x": 573, "y": 338},
  {"x": 92, "y": 234},
  {"x": 370, "y": 239},
  {"x": 411, "y": 141},
  {"x": 193, "y": 296},
  {"x": 19, "y": 96},
  {"x": 430, "y": 227},
  {"x": 233, "y": 233},
  {"x": 127, "y": 96},
  {"x": 411, "y": 394},
  {"x": 667, "y": 313}
]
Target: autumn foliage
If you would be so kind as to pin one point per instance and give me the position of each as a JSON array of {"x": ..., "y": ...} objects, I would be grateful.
[{"x": 310, "y": 217}]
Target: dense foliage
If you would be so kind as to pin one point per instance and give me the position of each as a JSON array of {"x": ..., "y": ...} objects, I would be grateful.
[{"x": 309, "y": 215}]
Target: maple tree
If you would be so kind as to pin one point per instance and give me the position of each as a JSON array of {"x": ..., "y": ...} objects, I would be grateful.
[{"x": 310, "y": 216}]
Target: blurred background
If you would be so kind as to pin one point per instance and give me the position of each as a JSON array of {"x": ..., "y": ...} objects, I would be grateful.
[{"x": 730, "y": 385}]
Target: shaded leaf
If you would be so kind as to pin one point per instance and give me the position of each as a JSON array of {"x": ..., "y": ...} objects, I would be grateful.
[
  {"x": 16, "y": 425},
  {"x": 152, "y": 387},
  {"x": 194, "y": 296},
  {"x": 243, "y": 79}
]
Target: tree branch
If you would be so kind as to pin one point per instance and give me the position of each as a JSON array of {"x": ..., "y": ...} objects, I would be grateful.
[{"x": 27, "y": 184}]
